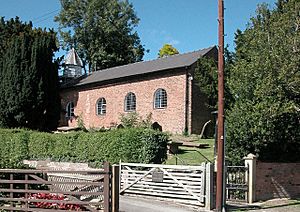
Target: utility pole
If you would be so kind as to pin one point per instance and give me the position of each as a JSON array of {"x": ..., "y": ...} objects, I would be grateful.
[{"x": 220, "y": 151}]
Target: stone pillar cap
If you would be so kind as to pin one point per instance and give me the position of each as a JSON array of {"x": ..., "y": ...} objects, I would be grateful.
[{"x": 250, "y": 156}]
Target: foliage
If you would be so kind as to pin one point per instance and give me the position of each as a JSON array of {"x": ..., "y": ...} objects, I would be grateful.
[
  {"x": 14, "y": 148},
  {"x": 134, "y": 120},
  {"x": 80, "y": 123},
  {"x": 101, "y": 31},
  {"x": 29, "y": 87},
  {"x": 130, "y": 119},
  {"x": 206, "y": 78},
  {"x": 265, "y": 82},
  {"x": 54, "y": 205},
  {"x": 167, "y": 50},
  {"x": 128, "y": 145}
]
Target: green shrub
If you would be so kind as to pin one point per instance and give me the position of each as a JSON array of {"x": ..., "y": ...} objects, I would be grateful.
[
  {"x": 133, "y": 119},
  {"x": 14, "y": 148},
  {"x": 40, "y": 145},
  {"x": 128, "y": 145}
]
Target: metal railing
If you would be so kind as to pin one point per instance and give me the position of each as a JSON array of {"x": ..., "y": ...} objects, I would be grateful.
[{"x": 237, "y": 183}]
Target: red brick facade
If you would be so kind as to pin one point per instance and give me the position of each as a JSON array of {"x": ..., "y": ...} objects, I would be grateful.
[
  {"x": 172, "y": 118},
  {"x": 186, "y": 106},
  {"x": 277, "y": 180},
  {"x": 175, "y": 118}
]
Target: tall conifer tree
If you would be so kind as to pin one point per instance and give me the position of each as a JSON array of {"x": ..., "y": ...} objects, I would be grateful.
[{"x": 28, "y": 76}]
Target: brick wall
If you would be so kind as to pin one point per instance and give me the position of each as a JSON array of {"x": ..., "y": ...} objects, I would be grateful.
[
  {"x": 277, "y": 180},
  {"x": 171, "y": 119}
]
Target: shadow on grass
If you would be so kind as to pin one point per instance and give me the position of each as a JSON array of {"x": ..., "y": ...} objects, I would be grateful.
[{"x": 183, "y": 151}]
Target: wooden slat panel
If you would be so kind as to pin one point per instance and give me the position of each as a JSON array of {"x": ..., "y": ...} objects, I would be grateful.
[
  {"x": 38, "y": 171},
  {"x": 174, "y": 197},
  {"x": 47, "y": 182},
  {"x": 50, "y": 201},
  {"x": 199, "y": 183},
  {"x": 175, "y": 167},
  {"x": 31, "y": 209},
  {"x": 166, "y": 177},
  {"x": 167, "y": 191},
  {"x": 50, "y": 192},
  {"x": 177, "y": 173},
  {"x": 165, "y": 185},
  {"x": 169, "y": 188}
]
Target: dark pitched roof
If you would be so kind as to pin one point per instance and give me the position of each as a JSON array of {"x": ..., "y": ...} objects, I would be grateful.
[{"x": 161, "y": 64}]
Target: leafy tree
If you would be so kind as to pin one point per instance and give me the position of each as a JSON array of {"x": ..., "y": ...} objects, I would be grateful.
[
  {"x": 167, "y": 50},
  {"x": 29, "y": 95},
  {"x": 101, "y": 31},
  {"x": 265, "y": 82}
]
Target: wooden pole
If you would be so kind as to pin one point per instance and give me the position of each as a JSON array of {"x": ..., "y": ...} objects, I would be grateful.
[
  {"x": 106, "y": 189},
  {"x": 220, "y": 153},
  {"x": 115, "y": 188}
]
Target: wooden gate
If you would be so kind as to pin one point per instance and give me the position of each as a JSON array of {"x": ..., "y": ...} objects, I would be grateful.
[
  {"x": 185, "y": 184},
  {"x": 57, "y": 190}
]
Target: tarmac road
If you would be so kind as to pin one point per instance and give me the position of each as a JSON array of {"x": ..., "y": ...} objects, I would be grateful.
[{"x": 138, "y": 204}]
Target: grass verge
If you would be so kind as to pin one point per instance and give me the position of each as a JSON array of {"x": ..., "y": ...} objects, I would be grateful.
[{"x": 193, "y": 156}]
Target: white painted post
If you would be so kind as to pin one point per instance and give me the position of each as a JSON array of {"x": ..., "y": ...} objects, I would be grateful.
[
  {"x": 209, "y": 201},
  {"x": 203, "y": 177},
  {"x": 250, "y": 162}
]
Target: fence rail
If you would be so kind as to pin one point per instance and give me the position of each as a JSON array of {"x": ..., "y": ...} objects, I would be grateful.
[{"x": 59, "y": 190}]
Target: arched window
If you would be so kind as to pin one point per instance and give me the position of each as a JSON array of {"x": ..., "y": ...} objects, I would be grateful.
[
  {"x": 70, "y": 110},
  {"x": 160, "y": 98},
  {"x": 101, "y": 106},
  {"x": 130, "y": 102}
]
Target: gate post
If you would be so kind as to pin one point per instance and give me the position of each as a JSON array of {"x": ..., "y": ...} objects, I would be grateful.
[
  {"x": 115, "y": 188},
  {"x": 250, "y": 162},
  {"x": 209, "y": 186},
  {"x": 106, "y": 187}
]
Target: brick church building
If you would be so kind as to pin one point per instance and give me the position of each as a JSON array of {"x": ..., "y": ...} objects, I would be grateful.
[{"x": 164, "y": 88}]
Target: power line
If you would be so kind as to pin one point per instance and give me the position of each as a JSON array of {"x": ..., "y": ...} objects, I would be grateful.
[
  {"x": 44, "y": 15},
  {"x": 43, "y": 20}
]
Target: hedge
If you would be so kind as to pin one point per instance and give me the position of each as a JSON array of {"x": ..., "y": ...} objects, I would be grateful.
[{"x": 128, "y": 145}]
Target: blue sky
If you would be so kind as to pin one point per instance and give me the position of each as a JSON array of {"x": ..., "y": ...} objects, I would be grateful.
[{"x": 186, "y": 24}]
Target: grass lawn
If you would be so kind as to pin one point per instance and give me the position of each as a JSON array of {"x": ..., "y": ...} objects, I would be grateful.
[{"x": 193, "y": 156}]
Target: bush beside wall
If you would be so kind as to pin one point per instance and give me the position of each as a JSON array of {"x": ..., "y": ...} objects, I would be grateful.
[{"x": 128, "y": 145}]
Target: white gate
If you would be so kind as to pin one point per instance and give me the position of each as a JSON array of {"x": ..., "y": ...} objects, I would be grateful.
[{"x": 185, "y": 184}]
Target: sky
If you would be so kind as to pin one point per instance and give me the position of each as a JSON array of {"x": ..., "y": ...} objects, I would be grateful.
[{"x": 188, "y": 25}]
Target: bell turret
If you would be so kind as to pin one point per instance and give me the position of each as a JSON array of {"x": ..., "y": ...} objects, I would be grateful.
[{"x": 73, "y": 65}]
